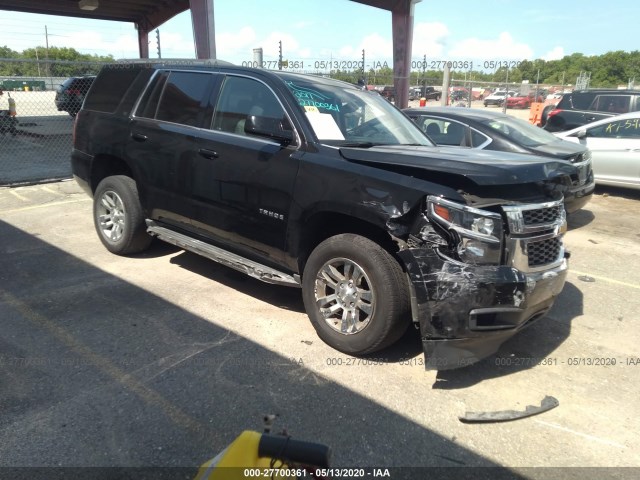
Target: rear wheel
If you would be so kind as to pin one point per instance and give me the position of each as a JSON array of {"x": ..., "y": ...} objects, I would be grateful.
[
  {"x": 545, "y": 114},
  {"x": 118, "y": 216},
  {"x": 355, "y": 294}
]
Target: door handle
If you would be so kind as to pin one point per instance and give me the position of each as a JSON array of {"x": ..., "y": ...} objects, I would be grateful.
[
  {"x": 138, "y": 137},
  {"x": 210, "y": 154}
]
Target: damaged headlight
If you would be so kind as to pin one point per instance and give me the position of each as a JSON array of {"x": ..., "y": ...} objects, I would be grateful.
[{"x": 476, "y": 233}]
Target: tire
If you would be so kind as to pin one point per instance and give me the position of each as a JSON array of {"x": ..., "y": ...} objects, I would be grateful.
[
  {"x": 545, "y": 114},
  {"x": 118, "y": 216},
  {"x": 362, "y": 276}
]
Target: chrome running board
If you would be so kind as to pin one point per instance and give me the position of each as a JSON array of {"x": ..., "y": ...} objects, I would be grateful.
[{"x": 244, "y": 265}]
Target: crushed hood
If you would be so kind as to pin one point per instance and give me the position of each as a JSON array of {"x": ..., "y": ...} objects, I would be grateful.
[{"x": 479, "y": 166}]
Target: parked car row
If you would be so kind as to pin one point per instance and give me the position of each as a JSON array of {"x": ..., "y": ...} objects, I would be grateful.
[
  {"x": 415, "y": 93},
  {"x": 605, "y": 152}
]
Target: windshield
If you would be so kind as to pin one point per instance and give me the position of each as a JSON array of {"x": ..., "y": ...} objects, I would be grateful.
[
  {"x": 521, "y": 132},
  {"x": 343, "y": 115}
]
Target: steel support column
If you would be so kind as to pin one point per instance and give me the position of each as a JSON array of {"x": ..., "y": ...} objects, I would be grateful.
[
  {"x": 143, "y": 42},
  {"x": 203, "y": 28},
  {"x": 402, "y": 30}
]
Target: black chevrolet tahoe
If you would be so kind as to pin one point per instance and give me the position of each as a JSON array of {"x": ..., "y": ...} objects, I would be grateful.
[{"x": 314, "y": 183}]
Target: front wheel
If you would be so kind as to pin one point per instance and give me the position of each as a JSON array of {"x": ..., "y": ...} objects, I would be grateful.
[
  {"x": 118, "y": 216},
  {"x": 355, "y": 294}
]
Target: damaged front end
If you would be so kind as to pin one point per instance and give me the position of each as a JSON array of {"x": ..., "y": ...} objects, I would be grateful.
[{"x": 479, "y": 275}]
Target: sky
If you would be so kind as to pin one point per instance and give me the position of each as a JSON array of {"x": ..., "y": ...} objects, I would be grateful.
[{"x": 329, "y": 30}]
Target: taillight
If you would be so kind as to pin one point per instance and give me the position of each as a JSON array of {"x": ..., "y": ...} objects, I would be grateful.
[{"x": 553, "y": 112}]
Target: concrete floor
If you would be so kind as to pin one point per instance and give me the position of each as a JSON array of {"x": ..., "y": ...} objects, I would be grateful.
[{"x": 162, "y": 359}]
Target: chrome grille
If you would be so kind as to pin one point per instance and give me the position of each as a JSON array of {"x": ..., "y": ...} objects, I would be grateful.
[
  {"x": 534, "y": 242},
  {"x": 544, "y": 252},
  {"x": 542, "y": 215}
]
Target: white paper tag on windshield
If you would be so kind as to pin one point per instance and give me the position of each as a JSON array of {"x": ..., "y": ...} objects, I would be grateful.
[{"x": 325, "y": 126}]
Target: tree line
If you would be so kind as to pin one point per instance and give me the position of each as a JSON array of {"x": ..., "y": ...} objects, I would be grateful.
[
  {"x": 607, "y": 70},
  {"x": 36, "y": 64}
]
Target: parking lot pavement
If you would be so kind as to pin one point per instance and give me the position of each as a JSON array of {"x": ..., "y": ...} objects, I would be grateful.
[
  {"x": 38, "y": 152},
  {"x": 161, "y": 359}
]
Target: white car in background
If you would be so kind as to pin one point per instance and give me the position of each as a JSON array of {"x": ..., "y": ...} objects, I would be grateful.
[
  {"x": 615, "y": 148},
  {"x": 498, "y": 97}
]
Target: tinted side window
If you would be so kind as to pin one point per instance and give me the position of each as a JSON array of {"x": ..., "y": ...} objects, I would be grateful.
[
  {"x": 454, "y": 135},
  {"x": 240, "y": 97},
  {"x": 182, "y": 98},
  {"x": 443, "y": 132},
  {"x": 110, "y": 88},
  {"x": 435, "y": 128},
  {"x": 478, "y": 139},
  {"x": 611, "y": 103},
  {"x": 149, "y": 103},
  {"x": 579, "y": 101}
]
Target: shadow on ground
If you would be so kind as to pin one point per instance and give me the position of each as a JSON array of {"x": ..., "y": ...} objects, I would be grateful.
[{"x": 98, "y": 372}]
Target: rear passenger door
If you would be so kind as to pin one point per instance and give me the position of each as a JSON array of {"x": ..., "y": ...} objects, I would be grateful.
[
  {"x": 241, "y": 184},
  {"x": 615, "y": 148},
  {"x": 163, "y": 141}
]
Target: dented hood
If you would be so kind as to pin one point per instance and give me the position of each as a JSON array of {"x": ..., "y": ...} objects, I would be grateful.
[{"x": 480, "y": 166}]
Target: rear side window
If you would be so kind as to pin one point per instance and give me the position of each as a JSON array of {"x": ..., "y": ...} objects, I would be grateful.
[
  {"x": 182, "y": 98},
  {"x": 149, "y": 103},
  {"x": 578, "y": 101},
  {"x": 611, "y": 103},
  {"x": 108, "y": 89},
  {"x": 478, "y": 139}
]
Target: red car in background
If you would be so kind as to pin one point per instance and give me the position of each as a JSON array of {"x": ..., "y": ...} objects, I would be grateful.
[{"x": 523, "y": 100}]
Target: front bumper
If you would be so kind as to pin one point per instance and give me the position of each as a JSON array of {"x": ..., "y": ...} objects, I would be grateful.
[
  {"x": 466, "y": 312},
  {"x": 577, "y": 197}
]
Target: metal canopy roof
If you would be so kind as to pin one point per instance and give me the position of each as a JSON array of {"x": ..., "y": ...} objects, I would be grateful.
[
  {"x": 155, "y": 12},
  {"x": 150, "y": 14}
]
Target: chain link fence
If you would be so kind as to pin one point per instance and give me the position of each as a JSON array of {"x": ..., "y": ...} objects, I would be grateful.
[{"x": 37, "y": 110}]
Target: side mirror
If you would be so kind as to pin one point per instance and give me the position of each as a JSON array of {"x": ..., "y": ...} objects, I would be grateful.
[
  {"x": 581, "y": 133},
  {"x": 269, "y": 127}
]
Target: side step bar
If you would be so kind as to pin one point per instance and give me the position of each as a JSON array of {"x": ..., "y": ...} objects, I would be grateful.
[{"x": 244, "y": 265}]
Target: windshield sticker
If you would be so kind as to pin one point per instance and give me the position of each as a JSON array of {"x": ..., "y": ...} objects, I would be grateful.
[
  {"x": 311, "y": 109},
  {"x": 325, "y": 126},
  {"x": 308, "y": 97}
]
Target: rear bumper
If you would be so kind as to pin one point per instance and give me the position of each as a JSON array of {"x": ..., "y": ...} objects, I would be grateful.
[
  {"x": 466, "y": 312},
  {"x": 81, "y": 169}
]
